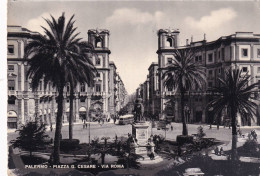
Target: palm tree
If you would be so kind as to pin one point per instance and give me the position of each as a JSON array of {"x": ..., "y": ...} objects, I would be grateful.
[
  {"x": 234, "y": 94},
  {"x": 184, "y": 75},
  {"x": 55, "y": 58}
]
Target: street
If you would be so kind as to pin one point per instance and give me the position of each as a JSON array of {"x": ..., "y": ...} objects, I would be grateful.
[{"x": 110, "y": 130}]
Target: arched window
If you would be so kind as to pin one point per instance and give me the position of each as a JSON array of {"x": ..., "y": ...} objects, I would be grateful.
[
  {"x": 169, "y": 42},
  {"x": 68, "y": 87},
  {"x": 97, "y": 61},
  {"x": 98, "y": 43}
]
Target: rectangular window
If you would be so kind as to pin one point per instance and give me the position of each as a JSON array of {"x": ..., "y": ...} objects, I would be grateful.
[
  {"x": 215, "y": 55},
  {"x": 68, "y": 87},
  {"x": 10, "y": 49},
  {"x": 196, "y": 58},
  {"x": 244, "y": 69},
  {"x": 210, "y": 84},
  {"x": 97, "y": 61},
  {"x": 40, "y": 85},
  {"x": 11, "y": 85},
  {"x": 98, "y": 75},
  {"x": 258, "y": 53},
  {"x": 82, "y": 100},
  {"x": 258, "y": 69},
  {"x": 258, "y": 84},
  {"x": 244, "y": 52},
  {"x": 98, "y": 88},
  {"x": 223, "y": 53},
  {"x": 200, "y": 58},
  {"x": 210, "y": 72},
  {"x": 210, "y": 58},
  {"x": 10, "y": 67},
  {"x": 169, "y": 60},
  {"x": 218, "y": 54},
  {"x": 11, "y": 100}
]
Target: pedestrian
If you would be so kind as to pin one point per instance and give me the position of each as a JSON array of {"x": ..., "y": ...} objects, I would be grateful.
[
  {"x": 216, "y": 151},
  {"x": 171, "y": 127},
  {"x": 221, "y": 151},
  {"x": 152, "y": 156}
]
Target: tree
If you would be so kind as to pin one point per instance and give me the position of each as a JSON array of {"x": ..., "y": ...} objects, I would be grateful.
[
  {"x": 184, "y": 75},
  {"x": 235, "y": 94},
  {"x": 54, "y": 58},
  {"x": 31, "y": 137}
]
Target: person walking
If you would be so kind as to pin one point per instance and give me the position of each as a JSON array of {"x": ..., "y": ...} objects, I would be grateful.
[{"x": 221, "y": 151}]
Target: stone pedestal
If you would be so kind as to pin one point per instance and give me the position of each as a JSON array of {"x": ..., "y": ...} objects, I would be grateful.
[{"x": 140, "y": 132}]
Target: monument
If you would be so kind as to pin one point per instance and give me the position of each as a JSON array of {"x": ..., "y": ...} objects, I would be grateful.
[{"x": 140, "y": 130}]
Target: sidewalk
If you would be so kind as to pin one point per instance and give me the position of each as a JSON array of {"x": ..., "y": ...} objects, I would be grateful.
[
  {"x": 240, "y": 142},
  {"x": 54, "y": 126}
]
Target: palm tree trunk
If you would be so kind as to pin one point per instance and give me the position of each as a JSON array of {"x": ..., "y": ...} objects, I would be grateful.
[
  {"x": 56, "y": 152},
  {"x": 184, "y": 126},
  {"x": 234, "y": 155},
  {"x": 71, "y": 113}
]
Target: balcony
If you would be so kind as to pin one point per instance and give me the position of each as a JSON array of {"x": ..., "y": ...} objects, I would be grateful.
[
  {"x": 97, "y": 93},
  {"x": 83, "y": 94},
  {"x": 169, "y": 93}
]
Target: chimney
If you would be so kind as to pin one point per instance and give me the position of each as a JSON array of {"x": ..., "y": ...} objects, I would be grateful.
[
  {"x": 187, "y": 42},
  {"x": 204, "y": 36},
  {"x": 191, "y": 39}
]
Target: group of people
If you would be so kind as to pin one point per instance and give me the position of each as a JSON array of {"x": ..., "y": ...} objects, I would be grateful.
[{"x": 218, "y": 151}]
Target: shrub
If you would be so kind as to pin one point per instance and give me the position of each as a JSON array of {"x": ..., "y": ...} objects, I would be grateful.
[
  {"x": 32, "y": 137},
  {"x": 251, "y": 145},
  {"x": 200, "y": 132},
  {"x": 184, "y": 139},
  {"x": 67, "y": 144}
]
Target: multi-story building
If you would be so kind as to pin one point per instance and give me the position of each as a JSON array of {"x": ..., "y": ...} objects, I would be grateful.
[
  {"x": 154, "y": 98},
  {"x": 240, "y": 50},
  {"x": 120, "y": 94},
  {"x": 24, "y": 105},
  {"x": 112, "y": 87}
]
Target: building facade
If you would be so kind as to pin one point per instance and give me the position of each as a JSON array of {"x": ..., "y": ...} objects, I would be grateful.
[
  {"x": 240, "y": 50},
  {"x": 24, "y": 104}
]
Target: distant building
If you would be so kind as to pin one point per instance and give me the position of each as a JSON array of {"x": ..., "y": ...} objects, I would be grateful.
[{"x": 24, "y": 105}]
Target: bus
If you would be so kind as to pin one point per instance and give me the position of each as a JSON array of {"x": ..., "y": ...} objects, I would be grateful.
[{"x": 126, "y": 119}]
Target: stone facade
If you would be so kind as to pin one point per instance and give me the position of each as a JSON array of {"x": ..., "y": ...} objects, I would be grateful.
[
  {"x": 24, "y": 105},
  {"x": 240, "y": 50}
]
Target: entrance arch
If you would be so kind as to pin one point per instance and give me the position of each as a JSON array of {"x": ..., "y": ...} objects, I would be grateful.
[
  {"x": 12, "y": 119},
  {"x": 83, "y": 113}
]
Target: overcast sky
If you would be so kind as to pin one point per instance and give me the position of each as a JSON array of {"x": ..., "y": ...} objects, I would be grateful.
[{"x": 133, "y": 25}]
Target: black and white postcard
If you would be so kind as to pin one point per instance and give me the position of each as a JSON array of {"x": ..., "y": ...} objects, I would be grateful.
[{"x": 132, "y": 88}]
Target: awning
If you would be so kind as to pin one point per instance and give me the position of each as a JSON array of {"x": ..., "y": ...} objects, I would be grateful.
[
  {"x": 11, "y": 114},
  {"x": 82, "y": 109}
]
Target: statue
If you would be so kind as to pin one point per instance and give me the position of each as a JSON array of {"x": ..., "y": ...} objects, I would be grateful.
[{"x": 138, "y": 110}]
